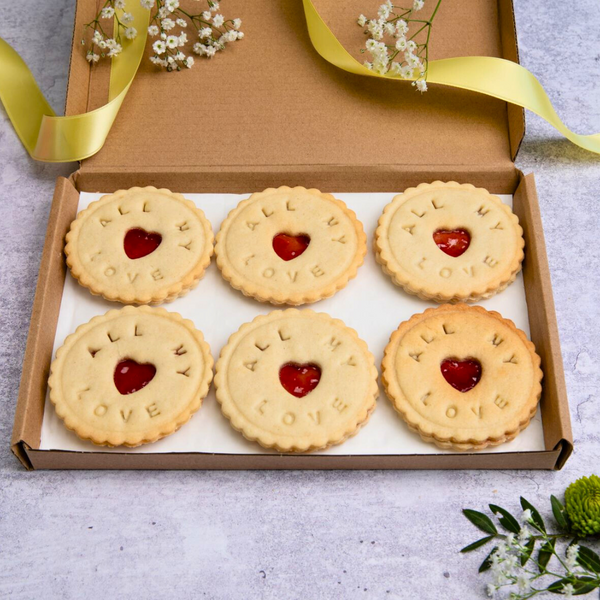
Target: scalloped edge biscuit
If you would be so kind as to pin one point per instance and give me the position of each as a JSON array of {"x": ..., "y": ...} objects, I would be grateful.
[
  {"x": 269, "y": 440},
  {"x": 113, "y": 294},
  {"x": 260, "y": 293},
  {"x": 529, "y": 408},
  {"x": 400, "y": 278},
  {"x": 88, "y": 433}
]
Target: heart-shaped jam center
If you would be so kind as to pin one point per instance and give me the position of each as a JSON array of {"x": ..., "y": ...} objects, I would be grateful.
[
  {"x": 131, "y": 376},
  {"x": 289, "y": 247},
  {"x": 299, "y": 380},
  {"x": 139, "y": 242},
  {"x": 454, "y": 242},
  {"x": 462, "y": 375}
]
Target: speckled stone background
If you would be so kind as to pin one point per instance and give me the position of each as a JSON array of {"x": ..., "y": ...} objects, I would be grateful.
[{"x": 288, "y": 535}]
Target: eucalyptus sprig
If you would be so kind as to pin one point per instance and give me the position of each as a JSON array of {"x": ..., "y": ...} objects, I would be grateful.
[
  {"x": 527, "y": 559},
  {"x": 396, "y": 47}
]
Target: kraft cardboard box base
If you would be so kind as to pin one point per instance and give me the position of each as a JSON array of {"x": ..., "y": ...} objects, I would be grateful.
[
  {"x": 269, "y": 114},
  {"x": 208, "y": 441}
]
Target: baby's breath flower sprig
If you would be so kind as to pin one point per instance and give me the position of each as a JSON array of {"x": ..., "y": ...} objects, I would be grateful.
[
  {"x": 527, "y": 560},
  {"x": 399, "y": 43},
  {"x": 102, "y": 44},
  {"x": 211, "y": 29}
]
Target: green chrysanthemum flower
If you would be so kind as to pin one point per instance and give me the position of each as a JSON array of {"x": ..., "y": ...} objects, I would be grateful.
[{"x": 582, "y": 499}]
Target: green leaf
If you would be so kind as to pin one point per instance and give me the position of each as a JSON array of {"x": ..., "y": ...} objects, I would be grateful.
[
  {"x": 545, "y": 554},
  {"x": 487, "y": 563},
  {"x": 526, "y": 555},
  {"x": 588, "y": 559},
  {"x": 559, "y": 513},
  {"x": 480, "y": 521},
  {"x": 538, "y": 522},
  {"x": 581, "y": 585},
  {"x": 507, "y": 520},
  {"x": 478, "y": 543}
]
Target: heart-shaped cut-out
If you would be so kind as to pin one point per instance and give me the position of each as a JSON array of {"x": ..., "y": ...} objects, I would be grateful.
[
  {"x": 453, "y": 242},
  {"x": 131, "y": 376},
  {"x": 462, "y": 375},
  {"x": 139, "y": 243},
  {"x": 288, "y": 247},
  {"x": 299, "y": 380}
]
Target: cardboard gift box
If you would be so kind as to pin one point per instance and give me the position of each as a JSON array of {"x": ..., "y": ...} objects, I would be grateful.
[{"x": 270, "y": 111}]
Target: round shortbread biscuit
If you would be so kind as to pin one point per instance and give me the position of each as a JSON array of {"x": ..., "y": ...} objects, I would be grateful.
[
  {"x": 250, "y": 381},
  {"x": 497, "y": 405},
  {"x": 89, "y": 378},
  {"x": 405, "y": 246},
  {"x": 97, "y": 253},
  {"x": 247, "y": 257}
]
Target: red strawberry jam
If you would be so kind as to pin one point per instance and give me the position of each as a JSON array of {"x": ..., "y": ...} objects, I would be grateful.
[
  {"x": 288, "y": 247},
  {"x": 453, "y": 243},
  {"x": 462, "y": 375},
  {"x": 299, "y": 380},
  {"x": 131, "y": 376},
  {"x": 139, "y": 242}
]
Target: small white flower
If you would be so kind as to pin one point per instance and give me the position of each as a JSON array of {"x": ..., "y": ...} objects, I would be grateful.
[
  {"x": 568, "y": 590},
  {"x": 402, "y": 27},
  {"x": 362, "y": 20},
  {"x": 571, "y": 560},
  {"x": 172, "y": 41},
  {"x": 163, "y": 13},
  {"x": 401, "y": 44},
  {"x": 411, "y": 46},
  {"x": 92, "y": 57},
  {"x": 368, "y": 65},
  {"x": 130, "y": 33},
  {"x": 172, "y": 5},
  {"x": 523, "y": 583},
  {"x": 102, "y": 44},
  {"x": 205, "y": 32},
  {"x": 231, "y": 36},
  {"x": 189, "y": 62},
  {"x": 408, "y": 73},
  {"x": 384, "y": 11},
  {"x": 159, "y": 47},
  {"x": 116, "y": 49},
  {"x": 182, "y": 38},
  {"x": 147, "y": 4},
  {"x": 163, "y": 36},
  {"x": 210, "y": 51},
  {"x": 396, "y": 69},
  {"x": 390, "y": 29},
  {"x": 237, "y": 23},
  {"x": 490, "y": 590},
  {"x": 127, "y": 18},
  {"x": 510, "y": 539},
  {"x": 107, "y": 13},
  {"x": 218, "y": 20},
  {"x": 524, "y": 534},
  {"x": 214, "y": 6},
  {"x": 199, "y": 48},
  {"x": 97, "y": 37},
  {"x": 207, "y": 15},
  {"x": 167, "y": 24},
  {"x": 181, "y": 22},
  {"x": 153, "y": 30},
  {"x": 120, "y": 4},
  {"x": 526, "y": 515},
  {"x": 240, "y": 35},
  {"x": 180, "y": 55},
  {"x": 418, "y": 4}
]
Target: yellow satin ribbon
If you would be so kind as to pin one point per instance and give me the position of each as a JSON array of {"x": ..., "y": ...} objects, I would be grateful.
[
  {"x": 64, "y": 139},
  {"x": 495, "y": 77}
]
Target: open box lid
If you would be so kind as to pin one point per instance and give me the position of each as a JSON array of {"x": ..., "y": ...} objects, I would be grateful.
[{"x": 270, "y": 104}]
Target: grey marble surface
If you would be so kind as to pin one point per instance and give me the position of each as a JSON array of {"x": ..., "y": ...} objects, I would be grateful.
[{"x": 71, "y": 535}]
